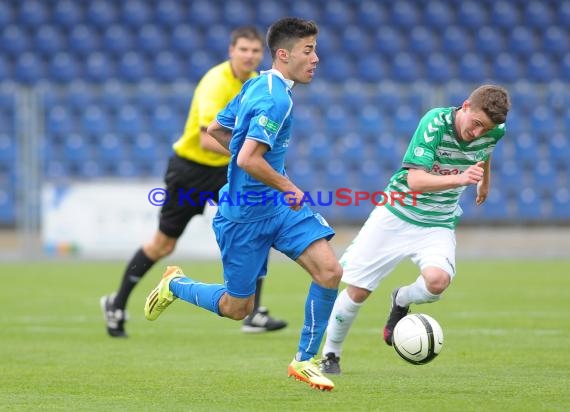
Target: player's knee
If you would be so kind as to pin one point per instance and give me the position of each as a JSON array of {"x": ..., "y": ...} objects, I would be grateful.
[
  {"x": 436, "y": 285},
  {"x": 330, "y": 275}
]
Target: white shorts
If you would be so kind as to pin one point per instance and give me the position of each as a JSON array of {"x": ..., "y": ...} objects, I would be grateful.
[{"x": 385, "y": 240}]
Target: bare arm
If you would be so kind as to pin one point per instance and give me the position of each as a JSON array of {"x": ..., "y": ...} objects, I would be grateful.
[
  {"x": 207, "y": 142},
  {"x": 421, "y": 181},
  {"x": 484, "y": 184},
  {"x": 250, "y": 158},
  {"x": 220, "y": 135}
]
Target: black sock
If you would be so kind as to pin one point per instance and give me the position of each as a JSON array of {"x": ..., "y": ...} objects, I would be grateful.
[
  {"x": 257, "y": 294},
  {"x": 136, "y": 269}
]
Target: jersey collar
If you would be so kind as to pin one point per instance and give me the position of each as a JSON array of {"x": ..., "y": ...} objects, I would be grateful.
[{"x": 277, "y": 73}]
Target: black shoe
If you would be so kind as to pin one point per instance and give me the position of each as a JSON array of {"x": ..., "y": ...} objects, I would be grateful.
[
  {"x": 330, "y": 364},
  {"x": 260, "y": 321},
  {"x": 396, "y": 313},
  {"x": 114, "y": 318}
]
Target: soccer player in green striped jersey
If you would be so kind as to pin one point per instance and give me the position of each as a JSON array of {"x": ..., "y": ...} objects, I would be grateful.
[{"x": 450, "y": 150}]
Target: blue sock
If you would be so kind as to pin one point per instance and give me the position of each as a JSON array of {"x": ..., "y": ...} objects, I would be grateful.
[
  {"x": 204, "y": 295},
  {"x": 318, "y": 308}
]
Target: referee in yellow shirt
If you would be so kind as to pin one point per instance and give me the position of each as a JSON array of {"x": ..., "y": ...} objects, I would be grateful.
[{"x": 199, "y": 165}]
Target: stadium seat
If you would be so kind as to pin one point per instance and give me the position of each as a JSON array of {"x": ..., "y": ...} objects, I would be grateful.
[
  {"x": 537, "y": 15},
  {"x": 83, "y": 40},
  {"x": 5, "y": 69},
  {"x": 405, "y": 68},
  {"x": 267, "y": 10},
  {"x": 472, "y": 15},
  {"x": 76, "y": 148},
  {"x": 319, "y": 149},
  {"x": 438, "y": 14},
  {"x": 351, "y": 150},
  {"x": 354, "y": 41},
  {"x": 111, "y": 149},
  {"x": 506, "y": 68},
  {"x": 129, "y": 121},
  {"x": 556, "y": 96},
  {"x": 8, "y": 150},
  {"x": 371, "y": 15},
  {"x": 306, "y": 121},
  {"x": 542, "y": 122},
  {"x": 165, "y": 123},
  {"x": 198, "y": 64},
  {"x": 559, "y": 148},
  {"x": 89, "y": 169},
  {"x": 166, "y": 67},
  {"x": 371, "y": 122},
  {"x": 541, "y": 69},
  {"x": 217, "y": 38},
  {"x": 113, "y": 95},
  {"x": 7, "y": 207},
  {"x": 66, "y": 14},
  {"x": 439, "y": 69},
  {"x": 388, "y": 41},
  {"x": 169, "y": 13},
  {"x": 336, "y": 68},
  {"x": 526, "y": 148},
  {"x": 354, "y": 94},
  {"x": 48, "y": 40},
  {"x": 63, "y": 68},
  {"x": 504, "y": 15},
  {"x": 135, "y": 13},
  {"x": 337, "y": 121},
  {"x": 185, "y": 40},
  {"x": 94, "y": 121},
  {"x": 545, "y": 178},
  {"x": 32, "y": 13},
  {"x": 371, "y": 68},
  {"x": 99, "y": 68},
  {"x": 237, "y": 13},
  {"x": 521, "y": 41},
  {"x": 563, "y": 14},
  {"x": 472, "y": 68},
  {"x": 6, "y": 14},
  {"x": 524, "y": 97},
  {"x": 148, "y": 96},
  {"x": 132, "y": 67},
  {"x": 404, "y": 15},
  {"x": 529, "y": 205},
  {"x": 495, "y": 207},
  {"x": 303, "y": 174},
  {"x": 387, "y": 95},
  {"x": 422, "y": 41},
  {"x": 405, "y": 122},
  {"x": 15, "y": 40},
  {"x": 101, "y": 14},
  {"x": 455, "y": 42},
  {"x": 561, "y": 205},
  {"x": 117, "y": 41},
  {"x": 328, "y": 41},
  {"x": 489, "y": 41},
  {"x": 151, "y": 39},
  {"x": 336, "y": 175},
  {"x": 203, "y": 15},
  {"x": 59, "y": 121},
  {"x": 555, "y": 42},
  {"x": 337, "y": 14},
  {"x": 125, "y": 169},
  {"x": 145, "y": 148},
  {"x": 29, "y": 68}
]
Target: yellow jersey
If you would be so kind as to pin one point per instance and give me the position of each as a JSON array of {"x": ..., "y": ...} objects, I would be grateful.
[{"x": 213, "y": 92}]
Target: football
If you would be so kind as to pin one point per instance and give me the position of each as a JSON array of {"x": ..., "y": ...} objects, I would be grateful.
[{"x": 418, "y": 338}]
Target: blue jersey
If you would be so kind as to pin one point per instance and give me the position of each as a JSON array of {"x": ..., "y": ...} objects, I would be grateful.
[{"x": 262, "y": 112}]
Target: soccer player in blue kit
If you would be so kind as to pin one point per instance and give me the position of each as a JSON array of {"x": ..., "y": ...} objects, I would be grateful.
[{"x": 260, "y": 208}]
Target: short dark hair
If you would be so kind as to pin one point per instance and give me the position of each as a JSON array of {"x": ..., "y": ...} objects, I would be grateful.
[
  {"x": 493, "y": 100},
  {"x": 284, "y": 32},
  {"x": 245, "y": 32}
]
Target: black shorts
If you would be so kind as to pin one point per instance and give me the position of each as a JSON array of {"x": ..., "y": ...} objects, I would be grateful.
[{"x": 190, "y": 185}]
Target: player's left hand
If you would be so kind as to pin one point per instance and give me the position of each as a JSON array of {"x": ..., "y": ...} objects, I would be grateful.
[{"x": 482, "y": 193}]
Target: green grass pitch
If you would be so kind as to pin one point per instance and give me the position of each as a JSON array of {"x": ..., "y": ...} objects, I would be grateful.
[{"x": 506, "y": 327}]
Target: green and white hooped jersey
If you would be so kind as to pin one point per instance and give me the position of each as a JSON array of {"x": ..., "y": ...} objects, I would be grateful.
[{"x": 436, "y": 149}]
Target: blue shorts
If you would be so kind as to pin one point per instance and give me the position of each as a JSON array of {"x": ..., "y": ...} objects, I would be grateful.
[{"x": 245, "y": 246}]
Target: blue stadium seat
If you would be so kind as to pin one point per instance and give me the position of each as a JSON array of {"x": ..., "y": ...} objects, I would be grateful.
[
  {"x": 203, "y": 15},
  {"x": 319, "y": 150},
  {"x": 537, "y": 15},
  {"x": 472, "y": 15},
  {"x": 526, "y": 148},
  {"x": 495, "y": 207},
  {"x": 90, "y": 169},
  {"x": 387, "y": 96},
  {"x": 405, "y": 68},
  {"x": 506, "y": 68},
  {"x": 129, "y": 121},
  {"x": 529, "y": 205},
  {"x": 117, "y": 40},
  {"x": 370, "y": 14},
  {"x": 337, "y": 14},
  {"x": 66, "y": 14},
  {"x": 76, "y": 148},
  {"x": 94, "y": 121},
  {"x": 473, "y": 68},
  {"x": 405, "y": 122},
  {"x": 371, "y": 122},
  {"x": 166, "y": 67},
  {"x": 438, "y": 14},
  {"x": 217, "y": 38},
  {"x": 29, "y": 68},
  {"x": 371, "y": 176},
  {"x": 6, "y": 14},
  {"x": 556, "y": 96},
  {"x": 560, "y": 149},
  {"x": 524, "y": 97},
  {"x": 59, "y": 121},
  {"x": 555, "y": 42},
  {"x": 455, "y": 42},
  {"x": 111, "y": 149},
  {"x": 351, "y": 150},
  {"x": 372, "y": 68},
  {"x": 354, "y": 41},
  {"x": 101, "y": 14},
  {"x": 307, "y": 121},
  {"x": 455, "y": 93},
  {"x": 354, "y": 94},
  {"x": 56, "y": 169},
  {"x": 132, "y": 67},
  {"x": 63, "y": 68},
  {"x": 439, "y": 69},
  {"x": 185, "y": 40},
  {"x": 336, "y": 175},
  {"x": 7, "y": 148},
  {"x": 32, "y": 14},
  {"x": 145, "y": 148},
  {"x": 165, "y": 122},
  {"x": 542, "y": 122},
  {"x": 422, "y": 41},
  {"x": 126, "y": 169},
  {"x": 545, "y": 178},
  {"x": 504, "y": 15},
  {"x": 135, "y": 13},
  {"x": 7, "y": 207},
  {"x": 237, "y": 13},
  {"x": 541, "y": 69},
  {"x": 337, "y": 121},
  {"x": 521, "y": 41},
  {"x": 489, "y": 41},
  {"x": 564, "y": 71},
  {"x": 198, "y": 64},
  {"x": 388, "y": 41},
  {"x": 5, "y": 69},
  {"x": 337, "y": 67},
  {"x": 169, "y": 13},
  {"x": 404, "y": 15},
  {"x": 304, "y": 175},
  {"x": 561, "y": 204},
  {"x": 563, "y": 14},
  {"x": 48, "y": 40},
  {"x": 99, "y": 67},
  {"x": 113, "y": 96},
  {"x": 15, "y": 41},
  {"x": 151, "y": 39},
  {"x": 267, "y": 10},
  {"x": 83, "y": 40}
]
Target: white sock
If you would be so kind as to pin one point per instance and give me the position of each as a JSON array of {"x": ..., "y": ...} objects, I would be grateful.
[
  {"x": 343, "y": 314},
  {"x": 415, "y": 293}
]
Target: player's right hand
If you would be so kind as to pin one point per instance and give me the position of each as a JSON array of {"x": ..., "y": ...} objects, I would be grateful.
[{"x": 294, "y": 199}]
